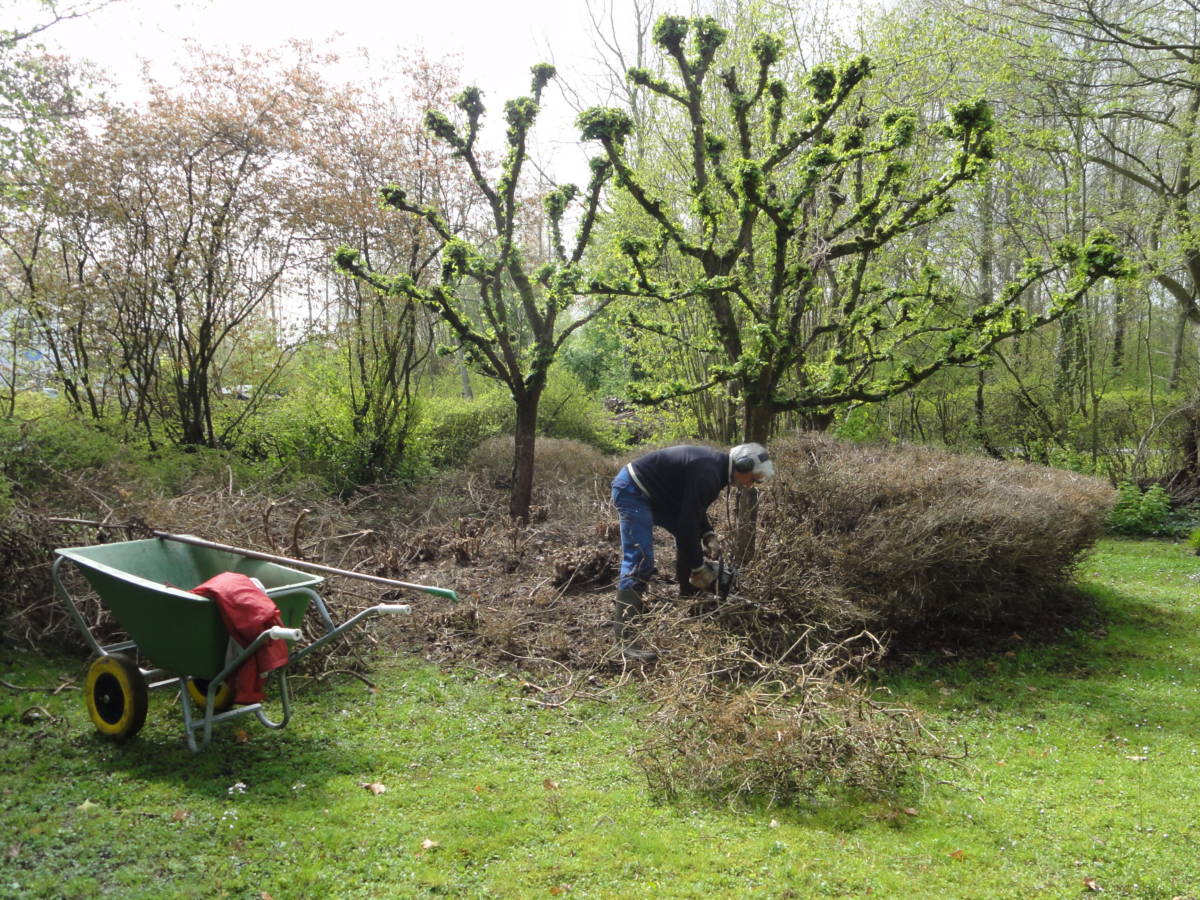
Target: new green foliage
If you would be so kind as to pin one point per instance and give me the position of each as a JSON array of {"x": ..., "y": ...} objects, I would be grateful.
[
  {"x": 794, "y": 191},
  {"x": 508, "y": 315},
  {"x": 1138, "y": 512}
]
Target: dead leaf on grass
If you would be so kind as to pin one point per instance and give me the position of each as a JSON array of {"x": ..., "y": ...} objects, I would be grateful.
[
  {"x": 959, "y": 855},
  {"x": 550, "y": 784},
  {"x": 87, "y": 805},
  {"x": 429, "y": 844},
  {"x": 373, "y": 786},
  {"x": 1137, "y": 758},
  {"x": 14, "y": 851},
  {"x": 909, "y": 811},
  {"x": 242, "y": 736},
  {"x": 180, "y": 815},
  {"x": 560, "y": 889},
  {"x": 1092, "y": 885}
]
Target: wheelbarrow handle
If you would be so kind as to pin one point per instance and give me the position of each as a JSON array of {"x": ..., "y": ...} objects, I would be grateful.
[
  {"x": 402, "y": 608},
  {"x": 304, "y": 564}
]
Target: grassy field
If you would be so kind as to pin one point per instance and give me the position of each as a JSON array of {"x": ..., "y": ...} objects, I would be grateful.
[{"x": 1081, "y": 776}]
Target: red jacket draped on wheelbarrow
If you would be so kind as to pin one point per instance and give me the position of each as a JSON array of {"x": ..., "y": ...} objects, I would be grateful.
[{"x": 247, "y": 612}]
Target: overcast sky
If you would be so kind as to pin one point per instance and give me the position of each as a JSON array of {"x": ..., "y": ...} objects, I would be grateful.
[{"x": 494, "y": 41}]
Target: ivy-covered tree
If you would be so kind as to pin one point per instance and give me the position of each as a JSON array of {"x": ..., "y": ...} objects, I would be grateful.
[
  {"x": 510, "y": 319},
  {"x": 791, "y": 200}
]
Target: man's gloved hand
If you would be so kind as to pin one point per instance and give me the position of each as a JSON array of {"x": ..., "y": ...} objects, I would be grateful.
[
  {"x": 711, "y": 543},
  {"x": 702, "y": 577}
]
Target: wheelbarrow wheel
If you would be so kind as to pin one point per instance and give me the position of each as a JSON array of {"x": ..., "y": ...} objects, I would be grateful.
[
  {"x": 116, "y": 696},
  {"x": 197, "y": 689}
]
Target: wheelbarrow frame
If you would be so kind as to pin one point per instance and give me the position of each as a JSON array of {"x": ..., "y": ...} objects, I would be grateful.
[{"x": 135, "y": 601}]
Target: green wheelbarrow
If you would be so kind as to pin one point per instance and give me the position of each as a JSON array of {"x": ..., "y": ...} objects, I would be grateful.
[{"x": 145, "y": 585}]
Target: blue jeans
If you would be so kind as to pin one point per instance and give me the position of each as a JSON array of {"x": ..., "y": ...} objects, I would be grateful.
[{"x": 637, "y": 533}]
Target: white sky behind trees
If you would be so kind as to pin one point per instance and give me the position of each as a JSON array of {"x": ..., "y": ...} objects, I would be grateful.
[{"x": 494, "y": 43}]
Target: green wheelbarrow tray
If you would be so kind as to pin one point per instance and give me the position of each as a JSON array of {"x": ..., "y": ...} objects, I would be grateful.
[{"x": 145, "y": 584}]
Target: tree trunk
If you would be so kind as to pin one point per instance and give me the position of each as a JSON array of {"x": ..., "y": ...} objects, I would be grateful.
[
  {"x": 759, "y": 418},
  {"x": 987, "y": 294},
  {"x": 1070, "y": 358},
  {"x": 524, "y": 441},
  {"x": 1189, "y": 472},
  {"x": 1120, "y": 317},
  {"x": 464, "y": 375},
  {"x": 1178, "y": 349}
]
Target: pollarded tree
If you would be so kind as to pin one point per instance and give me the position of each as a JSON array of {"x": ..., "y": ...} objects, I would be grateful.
[
  {"x": 510, "y": 320},
  {"x": 789, "y": 205}
]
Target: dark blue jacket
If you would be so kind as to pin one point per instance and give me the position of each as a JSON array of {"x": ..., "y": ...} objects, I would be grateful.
[{"x": 682, "y": 482}]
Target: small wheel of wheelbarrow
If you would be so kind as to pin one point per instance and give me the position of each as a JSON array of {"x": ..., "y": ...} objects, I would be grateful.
[
  {"x": 197, "y": 689},
  {"x": 116, "y": 696}
]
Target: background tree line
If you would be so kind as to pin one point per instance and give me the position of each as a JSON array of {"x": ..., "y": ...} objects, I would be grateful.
[{"x": 968, "y": 225}]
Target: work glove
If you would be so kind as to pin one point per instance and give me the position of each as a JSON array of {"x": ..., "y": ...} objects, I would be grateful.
[
  {"x": 711, "y": 543},
  {"x": 702, "y": 577}
]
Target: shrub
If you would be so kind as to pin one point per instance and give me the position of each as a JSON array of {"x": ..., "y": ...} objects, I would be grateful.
[
  {"x": 6, "y": 501},
  {"x": 1181, "y": 521},
  {"x": 902, "y": 539},
  {"x": 310, "y": 432},
  {"x": 1193, "y": 541},
  {"x": 569, "y": 411},
  {"x": 452, "y": 427},
  {"x": 1139, "y": 513},
  {"x": 35, "y": 450}
]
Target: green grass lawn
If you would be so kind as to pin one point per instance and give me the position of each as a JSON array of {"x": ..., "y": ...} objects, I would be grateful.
[{"x": 1082, "y": 768}]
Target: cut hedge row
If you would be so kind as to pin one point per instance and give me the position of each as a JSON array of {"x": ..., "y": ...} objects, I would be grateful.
[{"x": 897, "y": 538}]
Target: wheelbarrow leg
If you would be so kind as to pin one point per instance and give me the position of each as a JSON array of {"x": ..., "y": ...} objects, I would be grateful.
[
  {"x": 188, "y": 728},
  {"x": 284, "y": 699}
]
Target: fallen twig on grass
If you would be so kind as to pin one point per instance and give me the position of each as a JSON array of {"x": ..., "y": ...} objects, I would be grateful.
[
  {"x": 330, "y": 673},
  {"x": 64, "y": 686}
]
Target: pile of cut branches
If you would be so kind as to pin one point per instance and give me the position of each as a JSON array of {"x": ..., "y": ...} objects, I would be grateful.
[
  {"x": 906, "y": 541},
  {"x": 732, "y": 725}
]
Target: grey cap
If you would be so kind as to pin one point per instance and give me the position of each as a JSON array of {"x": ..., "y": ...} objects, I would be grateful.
[{"x": 756, "y": 452}]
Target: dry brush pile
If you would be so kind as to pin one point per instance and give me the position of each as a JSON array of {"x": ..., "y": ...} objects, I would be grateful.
[
  {"x": 731, "y": 724},
  {"x": 860, "y": 547},
  {"x": 912, "y": 542}
]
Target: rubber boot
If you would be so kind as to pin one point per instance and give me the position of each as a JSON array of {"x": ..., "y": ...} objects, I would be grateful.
[{"x": 630, "y": 604}]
